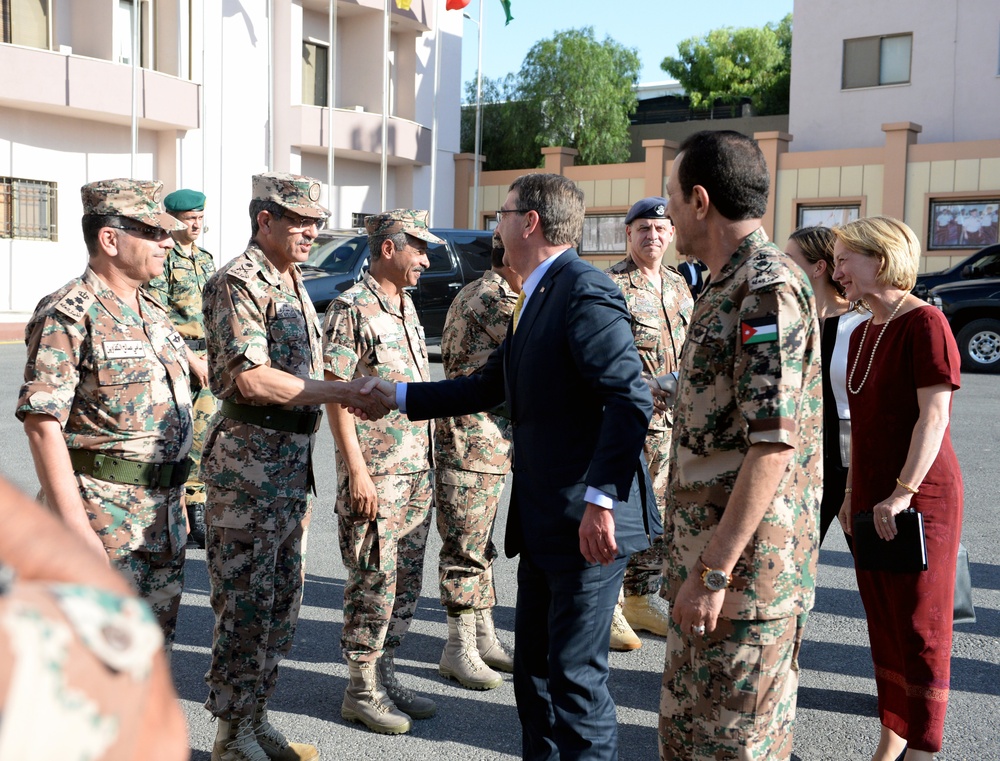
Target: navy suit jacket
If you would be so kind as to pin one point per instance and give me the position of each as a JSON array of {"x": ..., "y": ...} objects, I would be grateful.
[{"x": 580, "y": 410}]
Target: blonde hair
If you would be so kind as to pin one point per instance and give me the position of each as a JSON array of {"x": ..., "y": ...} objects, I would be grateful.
[{"x": 890, "y": 241}]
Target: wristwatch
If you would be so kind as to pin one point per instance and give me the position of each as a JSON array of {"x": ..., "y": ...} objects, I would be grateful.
[{"x": 714, "y": 579}]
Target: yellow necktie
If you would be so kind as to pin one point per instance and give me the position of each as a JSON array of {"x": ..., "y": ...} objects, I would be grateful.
[{"x": 517, "y": 308}]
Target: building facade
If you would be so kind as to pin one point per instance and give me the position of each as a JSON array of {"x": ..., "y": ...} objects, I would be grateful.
[
  {"x": 895, "y": 109},
  {"x": 219, "y": 91}
]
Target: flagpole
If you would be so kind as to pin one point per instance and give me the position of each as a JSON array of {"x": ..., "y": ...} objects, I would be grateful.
[
  {"x": 331, "y": 95},
  {"x": 434, "y": 112},
  {"x": 383, "y": 192},
  {"x": 479, "y": 120}
]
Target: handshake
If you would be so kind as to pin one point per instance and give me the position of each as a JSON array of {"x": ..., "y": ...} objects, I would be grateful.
[
  {"x": 370, "y": 398},
  {"x": 664, "y": 390}
]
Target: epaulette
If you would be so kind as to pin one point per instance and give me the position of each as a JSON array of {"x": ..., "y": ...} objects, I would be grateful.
[
  {"x": 75, "y": 303},
  {"x": 244, "y": 270},
  {"x": 618, "y": 267},
  {"x": 767, "y": 269}
]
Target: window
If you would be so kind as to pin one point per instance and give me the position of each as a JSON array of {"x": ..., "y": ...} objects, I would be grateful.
[
  {"x": 476, "y": 250},
  {"x": 315, "y": 57},
  {"x": 27, "y": 209},
  {"x": 604, "y": 234},
  {"x": 827, "y": 216},
  {"x": 963, "y": 224},
  {"x": 439, "y": 258},
  {"x": 875, "y": 61},
  {"x": 25, "y": 22},
  {"x": 124, "y": 21}
]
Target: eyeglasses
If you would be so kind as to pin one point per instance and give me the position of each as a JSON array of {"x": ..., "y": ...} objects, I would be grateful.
[
  {"x": 501, "y": 212},
  {"x": 157, "y": 234},
  {"x": 298, "y": 222}
]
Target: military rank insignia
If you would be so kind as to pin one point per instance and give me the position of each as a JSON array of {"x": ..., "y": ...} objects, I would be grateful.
[{"x": 759, "y": 330}]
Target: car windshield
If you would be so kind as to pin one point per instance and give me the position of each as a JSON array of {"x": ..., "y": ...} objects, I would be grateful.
[{"x": 336, "y": 255}]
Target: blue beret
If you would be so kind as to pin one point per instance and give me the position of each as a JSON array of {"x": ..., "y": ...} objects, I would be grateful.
[
  {"x": 184, "y": 200},
  {"x": 654, "y": 207}
]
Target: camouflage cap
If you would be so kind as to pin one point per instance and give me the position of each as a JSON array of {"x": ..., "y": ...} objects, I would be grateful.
[
  {"x": 296, "y": 193},
  {"x": 410, "y": 221},
  {"x": 134, "y": 199}
]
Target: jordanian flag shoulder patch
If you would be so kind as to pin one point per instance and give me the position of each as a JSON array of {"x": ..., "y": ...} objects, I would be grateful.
[{"x": 759, "y": 330}]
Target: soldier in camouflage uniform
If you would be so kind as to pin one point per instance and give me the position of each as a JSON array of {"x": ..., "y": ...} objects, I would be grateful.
[
  {"x": 660, "y": 304},
  {"x": 472, "y": 455},
  {"x": 265, "y": 364},
  {"x": 105, "y": 401},
  {"x": 384, "y": 488},
  {"x": 78, "y": 652},
  {"x": 185, "y": 272},
  {"x": 746, "y": 470}
]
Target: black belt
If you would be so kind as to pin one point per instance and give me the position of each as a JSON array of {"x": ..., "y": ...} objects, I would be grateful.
[
  {"x": 121, "y": 471},
  {"x": 275, "y": 418},
  {"x": 196, "y": 344}
]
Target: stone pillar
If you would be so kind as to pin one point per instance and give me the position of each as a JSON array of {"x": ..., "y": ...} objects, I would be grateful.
[
  {"x": 465, "y": 171},
  {"x": 772, "y": 145},
  {"x": 899, "y": 136},
  {"x": 557, "y": 159},
  {"x": 658, "y": 153}
]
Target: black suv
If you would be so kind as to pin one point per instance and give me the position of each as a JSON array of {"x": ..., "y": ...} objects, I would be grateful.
[
  {"x": 973, "y": 310},
  {"x": 337, "y": 262},
  {"x": 983, "y": 263}
]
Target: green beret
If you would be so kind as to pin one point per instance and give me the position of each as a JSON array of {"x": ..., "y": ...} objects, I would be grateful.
[{"x": 184, "y": 200}]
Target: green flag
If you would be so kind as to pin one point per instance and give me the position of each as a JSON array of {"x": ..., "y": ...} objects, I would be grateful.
[{"x": 506, "y": 10}]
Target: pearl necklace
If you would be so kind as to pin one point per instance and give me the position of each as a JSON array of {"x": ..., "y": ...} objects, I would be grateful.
[{"x": 861, "y": 346}]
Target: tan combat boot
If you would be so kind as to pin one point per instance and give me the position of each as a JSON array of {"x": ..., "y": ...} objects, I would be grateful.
[
  {"x": 622, "y": 636},
  {"x": 367, "y": 702},
  {"x": 274, "y": 744},
  {"x": 647, "y": 613},
  {"x": 406, "y": 700},
  {"x": 493, "y": 652},
  {"x": 235, "y": 740},
  {"x": 460, "y": 659}
]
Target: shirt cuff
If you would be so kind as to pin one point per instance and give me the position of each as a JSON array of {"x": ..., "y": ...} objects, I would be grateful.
[
  {"x": 599, "y": 498},
  {"x": 401, "y": 396}
]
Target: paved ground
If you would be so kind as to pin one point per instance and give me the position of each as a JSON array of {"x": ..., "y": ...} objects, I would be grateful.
[{"x": 837, "y": 695}]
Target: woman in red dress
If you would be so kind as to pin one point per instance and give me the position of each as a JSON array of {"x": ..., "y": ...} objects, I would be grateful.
[{"x": 903, "y": 367}]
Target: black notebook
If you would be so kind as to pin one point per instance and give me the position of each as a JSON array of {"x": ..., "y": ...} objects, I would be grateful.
[{"x": 905, "y": 553}]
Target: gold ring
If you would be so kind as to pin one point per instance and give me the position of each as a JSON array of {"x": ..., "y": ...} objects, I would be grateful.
[{"x": 884, "y": 519}]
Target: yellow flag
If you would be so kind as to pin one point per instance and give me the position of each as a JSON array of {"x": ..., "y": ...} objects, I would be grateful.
[{"x": 403, "y": 5}]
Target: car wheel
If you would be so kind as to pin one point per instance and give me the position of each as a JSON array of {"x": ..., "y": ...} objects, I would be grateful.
[{"x": 979, "y": 345}]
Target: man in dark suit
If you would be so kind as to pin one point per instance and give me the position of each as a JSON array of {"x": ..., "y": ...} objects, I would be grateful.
[
  {"x": 693, "y": 271},
  {"x": 581, "y": 498}
]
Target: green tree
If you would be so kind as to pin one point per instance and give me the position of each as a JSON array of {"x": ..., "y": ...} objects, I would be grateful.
[
  {"x": 730, "y": 64},
  {"x": 509, "y": 125},
  {"x": 572, "y": 91},
  {"x": 584, "y": 92}
]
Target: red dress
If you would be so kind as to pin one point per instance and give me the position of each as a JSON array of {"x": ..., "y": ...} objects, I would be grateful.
[{"x": 909, "y": 614}]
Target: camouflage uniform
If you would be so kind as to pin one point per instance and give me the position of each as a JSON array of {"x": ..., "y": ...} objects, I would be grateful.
[
  {"x": 258, "y": 479},
  {"x": 731, "y": 693},
  {"x": 472, "y": 453},
  {"x": 74, "y": 669},
  {"x": 179, "y": 290},
  {"x": 659, "y": 324},
  {"x": 117, "y": 382},
  {"x": 365, "y": 334}
]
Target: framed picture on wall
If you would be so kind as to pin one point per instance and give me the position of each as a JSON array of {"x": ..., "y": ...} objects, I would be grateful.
[
  {"x": 603, "y": 234},
  {"x": 827, "y": 216},
  {"x": 963, "y": 224}
]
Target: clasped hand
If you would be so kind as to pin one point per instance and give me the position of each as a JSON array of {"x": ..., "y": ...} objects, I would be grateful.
[
  {"x": 371, "y": 398},
  {"x": 663, "y": 388}
]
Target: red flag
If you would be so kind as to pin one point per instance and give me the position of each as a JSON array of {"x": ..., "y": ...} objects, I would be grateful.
[{"x": 455, "y": 5}]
